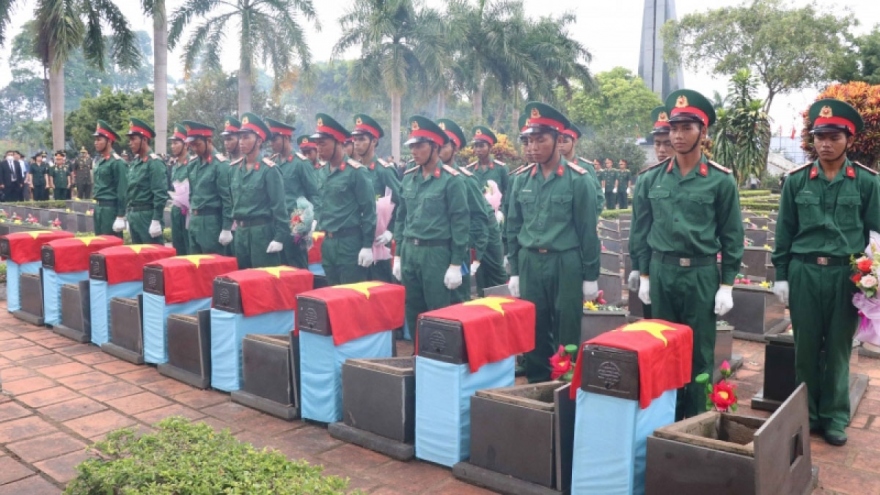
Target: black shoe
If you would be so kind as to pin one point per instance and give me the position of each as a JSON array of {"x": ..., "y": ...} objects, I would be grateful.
[
  {"x": 815, "y": 429},
  {"x": 835, "y": 437}
]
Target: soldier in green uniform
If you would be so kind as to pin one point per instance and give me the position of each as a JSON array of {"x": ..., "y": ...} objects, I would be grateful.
[
  {"x": 348, "y": 212},
  {"x": 147, "y": 187},
  {"x": 59, "y": 177},
  {"x": 348, "y": 147},
  {"x": 827, "y": 211},
  {"x": 568, "y": 147},
  {"x": 38, "y": 171},
  {"x": 366, "y": 135},
  {"x": 257, "y": 191},
  {"x": 309, "y": 149},
  {"x": 433, "y": 223},
  {"x": 111, "y": 183},
  {"x": 487, "y": 168},
  {"x": 210, "y": 196},
  {"x": 609, "y": 182},
  {"x": 552, "y": 239},
  {"x": 231, "y": 127},
  {"x": 82, "y": 174},
  {"x": 179, "y": 166},
  {"x": 624, "y": 178},
  {"x": 687, "y": 214}
]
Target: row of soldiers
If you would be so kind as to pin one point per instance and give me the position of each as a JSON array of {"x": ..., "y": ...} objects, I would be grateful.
[{"x": 57, "y": 177}]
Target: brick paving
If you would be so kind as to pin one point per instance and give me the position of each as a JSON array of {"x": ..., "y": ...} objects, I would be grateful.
[{"x": 58, "y": 397}]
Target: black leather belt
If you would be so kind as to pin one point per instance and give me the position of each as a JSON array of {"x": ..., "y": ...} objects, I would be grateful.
[
  {"x": 822, "y": 260},
  {"x": 208, "y": 210},
  {"x": 110, "y": 203},
  {"x": 140, "y": 207},
  {"x": 346, "y": 232},
  {"x": 251, "y": 222},
  {"x": 426, "y": 242},
  {"x": 671, "y": 259}
]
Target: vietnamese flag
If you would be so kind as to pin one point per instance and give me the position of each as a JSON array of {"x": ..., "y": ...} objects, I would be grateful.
[
  {"x": 665, "y": 353},
  {"x": 494, "y": 327},
  {"x": 126, "y": 263},
  {"x": 361, "y": 309},
  {"x": 315, "y": 250},
  {"x": 72, "y": 254},
  {"x": 26, "y": 247},
  {"x": 192, "y": 277},
  {"x": 264, "y": 290}
]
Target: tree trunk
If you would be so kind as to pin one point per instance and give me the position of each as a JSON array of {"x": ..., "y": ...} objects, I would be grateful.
[
  {"x": 245, "y": 87},
  {"x": 395, "y": 126},
  {"x": 441, "y": 105},
  {"x": 56, "y": 97},
  {"x": 46, "y": 95},
  {"x": 478, "y": 101},
  {"x": 160, "y": 75}
]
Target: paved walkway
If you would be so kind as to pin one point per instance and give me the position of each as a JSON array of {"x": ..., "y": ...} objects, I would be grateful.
[{"x": 59, "y": 396}]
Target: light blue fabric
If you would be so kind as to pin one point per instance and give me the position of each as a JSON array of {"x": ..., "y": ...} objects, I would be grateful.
[
  {"x": 610, "y": 440},
  {"x": 227, "y": 332},
  {"x": 321, "y": 370},
  {"x": 443, "y": 405},
  {"x": 100, "y": 295},
  {"x": 52, "y": 282},
  {"x": 317, "y": 268},
  {"x": 13, "y": 274},
  {"x": 156, "y": 323}
]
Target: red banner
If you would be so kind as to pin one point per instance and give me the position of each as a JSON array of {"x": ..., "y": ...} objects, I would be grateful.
[
  {"x": 665, "y": 353},
  {"x": 264, "y": 290},
  {"x": 192, "y": 277},
  {"x": 25, "y": 247},
  {"x": 361, "y": 309},
  {"x": 494, "y": 327},
  {"x": 315, "y": 250},
  {"x": 126, "y": 263},
  {"x": 72, "y": 254}
]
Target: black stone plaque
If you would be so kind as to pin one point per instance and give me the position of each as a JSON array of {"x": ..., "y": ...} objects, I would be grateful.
[
  {"x": 755, "y": 261},
  {"x": 610, "y": 261},
  {"x": 609, "y": 371},
  {"x": 609, "y": 233},
  {"x": 227, "y": 295},
  {"x": 611, "y": 285},
  {"x": 612, "y": 245},
  {"x": 379, "y": 396},
  {"x": 47, "y": 255},
  {"x": 756, "y": 313},
  {"x": 4, "y": 247},
  {"x": 311, "y": 316},
  {"x": 154, "y": 280},
  {"x": 97, "y": 267},
  {"x": 126, "y": 330},
  {"x": 30, "y": 287},
  {"x": 595, "y": 323},
  {"x": 266, "y": 373},
  {"x": 442, "y": 340},
  {"x": 189, "y": 349},
  {"x": 75, "y": 312}
]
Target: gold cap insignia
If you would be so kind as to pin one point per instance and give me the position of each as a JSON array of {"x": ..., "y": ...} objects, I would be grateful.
[
  {"x": 320, "y": 122},
  {"x": 131, "y": 124},
  {"x": 304, "y": 141},
  {"x": 442, "y": 125},
  {"x": 228, "y": 124},
  {"x": 245, "y": 120},
  {"x": 415, "y": 125},
  {"x": 826, "y": 112},
  {"x": 187, "y": 127},
  {"x": 663, "y": 117},
  {"x": 478, "y": 132},
  {"x": 358, "y": 121},
  {"x": 681, "y": 102},
  {"x": 535, "y": 113}
]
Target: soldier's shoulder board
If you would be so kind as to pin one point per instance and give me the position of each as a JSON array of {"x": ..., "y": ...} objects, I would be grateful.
[
  {"x": 720, "y": 167},
  {"x": 221, "y": 157},
  {"x": 192, "y": 159},
  {"x": 802, "y": 167},
  {"x": 499, "y": 162},
  {"x": 268, "y": 162},
  {"x": 411, "y": 170},
  {"x": 116, "y": 155},
  {"x": 525, "y": 168},
  {"x": 466, "y": 172},
  {"x": 354, "y": 163},
  {"x": 236, "y": 162},
  {"x": 301, "y": 156},
  {"x": 450, "y": 170},
  {"x": 577, "y": 168},
  {"x": 383, "y": 163},
  {"x": 869, "y": 169},
  {"x": 652, "y": 167},
  {"x": 155, "y": 156},
  {"x": 472, "y": 164}
]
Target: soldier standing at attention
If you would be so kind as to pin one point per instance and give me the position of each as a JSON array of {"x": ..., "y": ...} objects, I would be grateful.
[
  {"x": 827, "y": 211},
  {"x": 38, "y": 171},
  {"x": 83, "y": 174},
  {"x": 624, "y": 178},
  {"x": 570, "y": 137},
  {"x": 348, "y": 211},
  {"x": 689, "y": 212},
  {"x": 432, "y": 224},
  {"x": 147, "y": 187},
  {"x": 178, "y": 164},
  {"x": 258, "y": 208},
  {"x": 111, "y": 183},
  {"x": 487, "y": 168},
  {"x": 552, "y": 239},
  {"x": 59, "y": 177},
  {"x": 366, "y": 135},
  {"x": 230, "y": 138},
  {"x": 609, "y": 182},
  {"x": 210, "y": 195},
  {"x": 309, "y": 150}
]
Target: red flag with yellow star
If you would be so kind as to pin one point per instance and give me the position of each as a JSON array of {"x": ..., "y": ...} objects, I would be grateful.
[
  {"x": 315, "y": 250},
  {"x": 24, "y": 247},
  {"x": 665, "y": 353},
  {"x": 264, "y": 290},
  {"x": 192, "y": 277},
  {"x": 72, "y": 254},
  {"x": 126, "y": 263},
  {"x": 494, "y": 327},
  {"x": 361, "y": 309}
]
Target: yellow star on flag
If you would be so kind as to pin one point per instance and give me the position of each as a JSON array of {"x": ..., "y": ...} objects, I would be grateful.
[
  {"x": 362, "y": 287},
  {"x": 195, "y": 259},
  {"x": 137, "y": 248},
  {"x": 88, "y": 240},
  {"x": 491, "y": 302},
  {"x": 653, "y": 328},
  {"x": 317, "y": 235},
  {"x": 36, "y": 233},
  {"x": 276, "y": 270}
]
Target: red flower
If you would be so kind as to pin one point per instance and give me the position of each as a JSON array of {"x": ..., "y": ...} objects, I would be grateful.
[
  {"x": 856, "y": 278},
  {"x": 600, "y": 299},
  {"x": 560, "y": 363},
  {"x": 864, "y": 266},
  {"x": 723, "y": 396}
]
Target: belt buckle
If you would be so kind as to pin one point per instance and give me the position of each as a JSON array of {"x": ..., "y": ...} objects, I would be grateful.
[
  {"x": 195, "y": 213},
  {"x": 822, "y": 260},
  {"x": 415, "y": 242},
  {"x": 684, "y": 262},
  {"x": 542, "y": 251}
]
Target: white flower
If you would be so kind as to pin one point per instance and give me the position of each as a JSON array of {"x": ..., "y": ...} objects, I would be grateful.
[{"x": 868, "y": 281}]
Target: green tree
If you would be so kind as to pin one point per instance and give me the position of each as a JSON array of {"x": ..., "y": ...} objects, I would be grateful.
[
  {"x": 741, "y": 129},
  {"x": 31, "y": 133},
  {"x": 268, "y": 30},
  {"x": 620, "y": 101},
  {"x": 609, "y": 143},
  {"x": 115, "y": 107},
  {"x": 862, "y": 61}
]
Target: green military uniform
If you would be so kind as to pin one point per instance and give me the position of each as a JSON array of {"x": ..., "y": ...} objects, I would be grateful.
[
  {"x": 210, "y": 196},
  {"x": 609, "y": 177},
  {"x": 83, "y": 175},
  {"x": 384, "y": 178},
  {"x": 38, "y": 172},
  {"x": 433, "y": 225},
  {"x": 496, "y": 170},
  {"x": 624, "y": 177},
  {"x": 179, "y": 234},
  {"x": 111, "y": 185},
  {"x": 552, "y": 245},
  {"x": 575, "y": 133},
  {"x": 306, "y": 143},
  {"x": 822, "y": 223},
  {"x": 258, "y": 206},
  {"x": 348, "y": 211},
  {"x": 60, "y": 176},
  {"x": 686, "y": 221},
  {"x": 147, "y": 191}
]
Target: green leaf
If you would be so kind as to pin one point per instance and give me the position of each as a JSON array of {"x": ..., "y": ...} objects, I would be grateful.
[
  {"x": 702, "y": 378},
  {"x": 571, "y": 349}
]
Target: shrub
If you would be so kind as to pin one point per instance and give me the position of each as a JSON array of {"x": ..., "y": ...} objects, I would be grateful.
[
  {"x": 183, "y": 458},
  {"x": 612, "y": 214}
]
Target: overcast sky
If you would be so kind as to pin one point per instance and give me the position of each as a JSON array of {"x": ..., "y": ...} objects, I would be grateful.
[{"x": 610, "y": 30}]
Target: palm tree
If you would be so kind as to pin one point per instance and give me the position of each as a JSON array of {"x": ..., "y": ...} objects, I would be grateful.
[
  {"x": 401, "y": 42},
  {"x": 156, "y": 8},
  {"x": 269, "y": 29}
]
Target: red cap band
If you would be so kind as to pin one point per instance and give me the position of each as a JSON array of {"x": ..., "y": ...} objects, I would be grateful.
[
  {"x": 836, "y": 121},
  {"x": 421, "y": 133},
  {"x": 106, "y": 134},
  {"x": 281, "y": 130},
  {"x": 140, "y": 130},
  {"x": 661, "y": 123},
  {"x": 453, "y": 138},
  {"x": 570, "y": 133},
  {"x": 323, "y": 129},
  {"x": 364, "y": 127},
  {"x": 198, "y": 132},
  {"x": 308, "y": 146},
  {"x": 547, "y": 122},
  {"x": 692, "y": 110},
  {"x": 486, "y": 138},
  {"x": 231, "y": 128},
  {"x": 255, "y": 129}
]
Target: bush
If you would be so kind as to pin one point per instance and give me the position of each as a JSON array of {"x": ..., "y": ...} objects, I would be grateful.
[
  {"x": 183, "y": 458},
  {"x": 2, "y": 273},
  {"x": 744, "y": 193},
  {"x": 613, "y": 214}
]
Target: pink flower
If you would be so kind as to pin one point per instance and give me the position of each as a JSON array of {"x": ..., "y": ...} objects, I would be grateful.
[
  {"x": 869, "y": 281},
  {"x": 725, "y": 366}
]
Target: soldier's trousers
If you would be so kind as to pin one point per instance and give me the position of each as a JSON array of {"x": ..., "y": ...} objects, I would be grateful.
[
  {"x": 251, "y": 244},
  {"x": 610, "y": 199},
  {"x": 422, "y": 271},
  {"x": 622, "y": 199},
  {"x": 84, "y": 190},
  {"x": 553, "y": 282},
  {"x": 491, "y": 272},
  {"x": 104, "y": 218},
  {"x": 204, "y": 235},
  {"x": 380, "y": 271},
  {"x": 61, "y": 194},
  {"x": 179, "y": 235},
  {"x": 686, "y": 295},
  {"x": 139, "y": 226},
  {"x": 824, "y": 321},
  {"x": 339, "y": 257},
  {"x": 294, "y": 254},
  {"x": 40, "y": 193}
]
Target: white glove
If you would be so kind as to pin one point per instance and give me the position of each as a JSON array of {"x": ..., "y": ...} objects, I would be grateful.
[
  {"x": 274, "y": 247},
  {"x": 225, "y": 237},
  {"x": 396, "y": 269},
  {"x": 314, "y": 225},
  {"x": 780, "y": 288},
  {"x": 628, "y": 191},
  {"x": 506, "y": 264},
  {"x": 614, "y": 190},
  {"x": 591, "y": 290},
  {"x": 474, "y": 267},
  {"x": 119, "y": 224},
  {"x": 645, "y": 289},
  {"x": 384, "y": 238},
  {"x": 513, "y": 286},
  {"x": 155, "y": 228},
  {"x": 365, "y": 257},
  {"x": 633, "y": 281},
  {"x": 499, "y": 217},
  {"x": 452, "y": 279},
  {"x": 724, "y": 300}
]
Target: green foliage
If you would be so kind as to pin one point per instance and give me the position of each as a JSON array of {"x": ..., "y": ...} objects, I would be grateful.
[
  {"x": 862, "y": 61},
  {"x": 614, "y": 214},
  {"x": 116, "y": 107},
  {"x": 182, "y": 458},
  {"x": 609, "y": 143},
  {"x": 742, "y": 129},
  {"x": 747, "y": 193}
]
